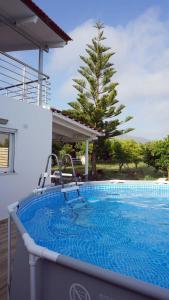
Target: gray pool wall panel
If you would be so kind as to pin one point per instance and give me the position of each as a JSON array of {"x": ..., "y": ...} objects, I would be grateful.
[
  {"x": 20, "y": 277},
  {"x": 61, "y": 279}
]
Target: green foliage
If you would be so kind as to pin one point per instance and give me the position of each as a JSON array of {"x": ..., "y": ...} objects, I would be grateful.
[
  {"x": 56, "y": 147},
  {"x": 74, "y": 149},
  {"x": 135, "y": 151},
  {"x": 60, "y": 149},
  {"x": 120, "y": 153},
  {"x": 125, "y": 152},
  {"x": 97, "y": 104},
  {"x": 67, "y": 148},
  {"x": 148, "y": 177},
  {"x": 82, "y": 146},
  {"x": 156, "y": 154},
  {"x": 149, "y": 156},
  {"x": 104, "y": 150}
]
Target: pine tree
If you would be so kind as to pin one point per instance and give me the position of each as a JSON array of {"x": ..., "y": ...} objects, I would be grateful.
[{"x": 96, "y": 103}]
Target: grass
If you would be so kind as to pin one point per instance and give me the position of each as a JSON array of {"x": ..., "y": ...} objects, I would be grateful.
[
  {"x": 143, "y": 172},
  {"x": 108, "y": 171}
]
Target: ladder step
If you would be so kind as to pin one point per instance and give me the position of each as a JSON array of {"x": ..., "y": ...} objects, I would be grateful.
[
  {"x": 57, "y": 173},
  {"x": 70, "y": 189},
  {"x": 55, "y": 176},
  {"x": 66, "y": 174},
  {"x": 74, "y": 200}
]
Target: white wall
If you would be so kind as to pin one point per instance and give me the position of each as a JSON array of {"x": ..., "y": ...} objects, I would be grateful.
[{"x": 32, "y": 146}]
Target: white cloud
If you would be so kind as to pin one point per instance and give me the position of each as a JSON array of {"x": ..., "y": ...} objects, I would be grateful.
[
  {"x": 67, "y": 58},
  {"x": 142, "y": 64}
]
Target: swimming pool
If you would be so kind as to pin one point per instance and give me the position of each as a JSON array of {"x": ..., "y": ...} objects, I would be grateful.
[{"x": 123, "y": 228}]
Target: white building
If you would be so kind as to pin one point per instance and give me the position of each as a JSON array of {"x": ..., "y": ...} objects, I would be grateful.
[{"x": 27, "y": 123}]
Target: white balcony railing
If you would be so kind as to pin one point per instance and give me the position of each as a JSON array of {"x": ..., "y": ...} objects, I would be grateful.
[{"x": 23, "y": 82}]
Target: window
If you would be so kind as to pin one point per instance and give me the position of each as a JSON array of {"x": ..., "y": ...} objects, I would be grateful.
[{"x": 6, "y": 151}]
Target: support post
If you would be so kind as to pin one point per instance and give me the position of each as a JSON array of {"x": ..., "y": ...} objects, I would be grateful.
[
  {"x": 32, "y": 263},
  {"x": 87, "y": 160},
  {"x": 40, "y": 77}
]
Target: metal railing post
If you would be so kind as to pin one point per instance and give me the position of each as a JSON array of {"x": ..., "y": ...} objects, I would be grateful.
[
  {"x": 40, "y": 77},
  {"x": 23, "y": 83}
]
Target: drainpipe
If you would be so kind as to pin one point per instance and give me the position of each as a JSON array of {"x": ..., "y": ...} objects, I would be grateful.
[
  {"x": 40, "y": 77},
  {"x": 87, "y": 160}
]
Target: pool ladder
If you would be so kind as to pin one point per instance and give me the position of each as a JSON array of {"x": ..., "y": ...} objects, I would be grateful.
[
  {"x": 43, "y": 176},
  {"x": 78, "y": 200}
]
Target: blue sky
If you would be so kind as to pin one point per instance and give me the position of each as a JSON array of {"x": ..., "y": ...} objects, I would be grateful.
[
  {"x": 138, "y": 31},
  {"x": 70, "y": 14}
]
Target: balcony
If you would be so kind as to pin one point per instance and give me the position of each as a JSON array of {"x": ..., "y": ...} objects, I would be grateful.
[{"x": 23, "y": 82}]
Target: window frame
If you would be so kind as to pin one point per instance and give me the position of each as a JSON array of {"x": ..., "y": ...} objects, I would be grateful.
[{"x": 11, "y": 151}]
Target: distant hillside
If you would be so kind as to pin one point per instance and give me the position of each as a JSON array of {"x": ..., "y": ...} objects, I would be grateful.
[{"x": 138, "y": 139}]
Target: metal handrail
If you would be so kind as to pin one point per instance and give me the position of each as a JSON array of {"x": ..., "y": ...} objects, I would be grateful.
[
  {"x": 47, "y": 167},
  {"x": 20, "y": 81},
  {"x": 19, "y": 84},
  {"x": 72, "y": 165},
  {"x": 24, "y": 64},
  {"x": 60, "y": 164}
]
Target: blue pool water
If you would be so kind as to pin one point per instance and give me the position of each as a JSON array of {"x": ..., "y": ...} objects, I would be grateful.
[{"x": 123, "y": 228}]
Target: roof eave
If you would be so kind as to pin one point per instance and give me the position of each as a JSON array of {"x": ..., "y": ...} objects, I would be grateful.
[
  {"x": 46, "y": 19},
  {"x": 92, "y": 132}
]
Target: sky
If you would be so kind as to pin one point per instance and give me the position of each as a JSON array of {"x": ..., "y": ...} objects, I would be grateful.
[{"x": 138, "y": 32}]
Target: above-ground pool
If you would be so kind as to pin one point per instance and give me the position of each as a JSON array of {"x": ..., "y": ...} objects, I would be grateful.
[{"x": 123, "y": 228}]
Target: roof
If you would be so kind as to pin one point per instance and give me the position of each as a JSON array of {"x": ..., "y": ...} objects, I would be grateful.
[
  {"x": 68, "y": 129},
  {"x": 46, "y": 19},
  {"x": 24, "y": 26},
  {"x": 71, "y": 118}
]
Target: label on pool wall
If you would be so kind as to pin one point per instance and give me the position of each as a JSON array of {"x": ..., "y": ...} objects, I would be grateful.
[{"x": 78, "y": 292}]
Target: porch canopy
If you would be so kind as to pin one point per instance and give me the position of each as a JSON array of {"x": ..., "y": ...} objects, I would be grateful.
[
  {"x": 24, "y": 26},
  {"x": 68, "y": 130}
]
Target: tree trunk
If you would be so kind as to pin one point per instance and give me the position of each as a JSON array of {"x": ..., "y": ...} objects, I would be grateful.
[
  {"x": 94, "y": 171},
  {"x": 120, "y": 166},
  {"x": 168, "y": 174}
]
